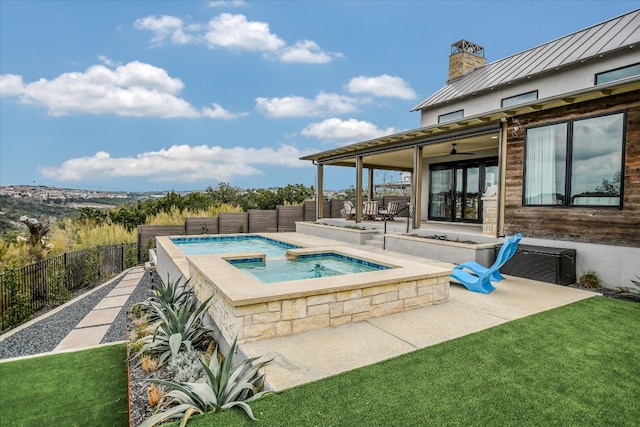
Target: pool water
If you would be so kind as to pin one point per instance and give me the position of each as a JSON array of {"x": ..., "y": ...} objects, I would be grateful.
[
  {"x": 304, "y": 267},
  {"x": 231, "y": 244}
]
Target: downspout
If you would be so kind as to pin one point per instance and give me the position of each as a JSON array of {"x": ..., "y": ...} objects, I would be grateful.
[
  {"x": 319, "y": 190},
  {"x": 502, "y": 152}
]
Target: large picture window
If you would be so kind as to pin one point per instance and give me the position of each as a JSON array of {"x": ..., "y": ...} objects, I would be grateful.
[{"x": 576, "y": 163}]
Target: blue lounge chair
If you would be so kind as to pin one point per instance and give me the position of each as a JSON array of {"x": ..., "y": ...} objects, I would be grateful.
[{"x": 478, "y": 278}]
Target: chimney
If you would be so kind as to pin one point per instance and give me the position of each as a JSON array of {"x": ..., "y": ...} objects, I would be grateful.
[{"x": 465, "y": 56}]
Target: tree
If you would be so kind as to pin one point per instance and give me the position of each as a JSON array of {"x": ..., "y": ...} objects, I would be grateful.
[
  {"x": 224, "y": 193},
  {"x": 295, "y": 194},
  {"x": 38, "y": 229},
  {"x": 610, "y": 188}
]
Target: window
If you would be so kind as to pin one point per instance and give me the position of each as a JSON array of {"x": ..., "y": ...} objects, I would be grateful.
[
  {"x": 451, "y": 116},
  {"x": 618, "y": 74},
  {"x": 519, "y": 99},
  {"x": 577, "y": 163}
]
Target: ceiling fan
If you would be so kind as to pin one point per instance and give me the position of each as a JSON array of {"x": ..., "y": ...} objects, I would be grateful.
[{"x": 454, "y": 152}]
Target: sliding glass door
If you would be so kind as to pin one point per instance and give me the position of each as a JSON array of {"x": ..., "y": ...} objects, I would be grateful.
[{"x": 456, "y": 189}]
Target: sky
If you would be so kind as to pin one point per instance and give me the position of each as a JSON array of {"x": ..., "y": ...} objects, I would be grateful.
[{"x": 182, "y": 95}]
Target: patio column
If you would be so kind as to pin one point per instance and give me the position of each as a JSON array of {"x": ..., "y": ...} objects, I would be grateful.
[
  {"x": 319, "y": 192},
  {"x": 416, "y": 186},
  {"x": 370, "y": 188},
  {"x": 358, "y": 203}
]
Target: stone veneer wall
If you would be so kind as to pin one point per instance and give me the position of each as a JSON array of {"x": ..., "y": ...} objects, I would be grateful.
[
  {"x": 289, "y": 316},
  {"x": 489, "y": 215}
]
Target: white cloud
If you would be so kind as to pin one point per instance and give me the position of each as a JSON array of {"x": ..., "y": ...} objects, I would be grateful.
[
  {"x": 306, "y": 51},
  {"x": 134, "y": 89},
  {"x": 227, "y": 3},
  {"x": 296, "y": 106},
  {"x": 178, "y": 163},
  {"x": 233, "y": 32},
  {"x": 236, "y": 32},
  {"x": 217, "y": 112},
  {"x": 166, "y": 27},
  {"x": 10, "y": 85},
  {"x": 383, "y": 85},
  {"x": 352, "y": 129}
]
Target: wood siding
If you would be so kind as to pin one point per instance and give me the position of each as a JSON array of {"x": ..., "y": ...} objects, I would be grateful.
[
  {"x": 591, "y": 225},
  {"x": 147, "y": 236},
  {"x": 201, "y": 226},
  {"x": 288, "y": 216},
  {"x": 263, "y": 221},
  {"x": 233, "y": 222}
]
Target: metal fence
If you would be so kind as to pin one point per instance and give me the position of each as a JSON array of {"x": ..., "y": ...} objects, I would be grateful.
[{"x": 25, "y": 290}]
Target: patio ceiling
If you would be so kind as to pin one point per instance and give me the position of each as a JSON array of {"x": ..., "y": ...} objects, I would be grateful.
[{"x": 402, "y": 159}]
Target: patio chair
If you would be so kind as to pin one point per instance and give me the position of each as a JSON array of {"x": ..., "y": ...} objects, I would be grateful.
[
  {"x": 370, "y": 210},
  {"x": 390, "y": 211},
  {"x": 478, "y": 278},
  {"x": 349, "y": 210}
]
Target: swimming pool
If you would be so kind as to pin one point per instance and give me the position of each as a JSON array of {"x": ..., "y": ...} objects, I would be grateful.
[
  {"x": 246, "y": 309},
  {"x": 232, "y": 244},
  {"x": 311, "y": 266}
]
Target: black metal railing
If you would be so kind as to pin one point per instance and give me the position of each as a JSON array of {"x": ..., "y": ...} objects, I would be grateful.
[
  {"x": 26, "y": 290},
  {"x": 409, "y": 209}
]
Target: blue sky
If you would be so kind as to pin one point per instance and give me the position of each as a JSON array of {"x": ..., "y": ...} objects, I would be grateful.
[{"x": 181, "y": 95}]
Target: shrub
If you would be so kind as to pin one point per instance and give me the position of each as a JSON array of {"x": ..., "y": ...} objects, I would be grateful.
[
  {"x": 130, "y": 256},
  {"x": 589, "y": 279},
  {"x": 18, "y": 309},
  {"x": 185, "y": 367},
  {"x": 57, "y": 286}
]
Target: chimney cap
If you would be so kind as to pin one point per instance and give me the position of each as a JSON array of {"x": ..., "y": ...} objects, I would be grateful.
[{"x": 467, "y": 46}]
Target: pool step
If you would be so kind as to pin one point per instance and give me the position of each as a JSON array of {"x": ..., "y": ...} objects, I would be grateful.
[{"x": 376, "y": 240}]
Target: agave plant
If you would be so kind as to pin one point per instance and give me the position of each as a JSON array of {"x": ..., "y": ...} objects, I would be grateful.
[
  {"x": 223, "y": 386},
  {"x": 632, "y": 291},
  {"x": 173, "y": 294},
  {"x": 177, "y": 327}
]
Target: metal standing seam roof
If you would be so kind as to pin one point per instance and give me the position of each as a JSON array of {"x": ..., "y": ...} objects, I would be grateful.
[{"x": 608, "y": 36}]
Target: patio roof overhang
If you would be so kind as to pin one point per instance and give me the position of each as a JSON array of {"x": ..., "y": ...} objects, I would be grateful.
[{"x": 389, "y": 149}]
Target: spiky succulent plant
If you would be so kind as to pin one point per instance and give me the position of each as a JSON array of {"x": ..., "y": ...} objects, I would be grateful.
[{"x": 223, "y": 386}]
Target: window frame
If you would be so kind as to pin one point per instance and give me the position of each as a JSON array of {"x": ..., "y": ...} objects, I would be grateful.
[
  {"x": 595, "y": 77},
  {"x": 569, "y": 163},
  {"x": 516, "y": 96},
  {"x": 449, "y": 114}
]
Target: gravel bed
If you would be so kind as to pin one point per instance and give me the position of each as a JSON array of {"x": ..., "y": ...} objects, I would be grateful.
[
  {"x": 143, "y": 291},
  {"x": 43, "y": 336}
]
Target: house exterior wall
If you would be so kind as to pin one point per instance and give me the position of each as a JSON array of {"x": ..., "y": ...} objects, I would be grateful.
[
  {"x": 548, "y": 85},
  {"x": 602, "y": 226}
]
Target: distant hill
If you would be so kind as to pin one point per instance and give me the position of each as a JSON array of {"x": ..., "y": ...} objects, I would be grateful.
[{"x": 12, "y": 208}]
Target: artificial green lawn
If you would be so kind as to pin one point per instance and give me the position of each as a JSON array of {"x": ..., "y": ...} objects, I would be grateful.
[
  {"x": 577, "y": 365},
  {"x": 86, "y": 388}
]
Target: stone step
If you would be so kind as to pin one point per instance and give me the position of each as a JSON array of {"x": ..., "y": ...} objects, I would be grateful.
[{"x": 374, "y": 243}]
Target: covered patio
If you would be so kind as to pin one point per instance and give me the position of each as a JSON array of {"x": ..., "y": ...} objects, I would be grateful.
[{"x": 450, "y": 170}]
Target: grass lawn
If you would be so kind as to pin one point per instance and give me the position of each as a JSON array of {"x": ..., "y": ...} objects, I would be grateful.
[
  {"x": 85, "y": 388},
  {"x": 577, "y": 365}
]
